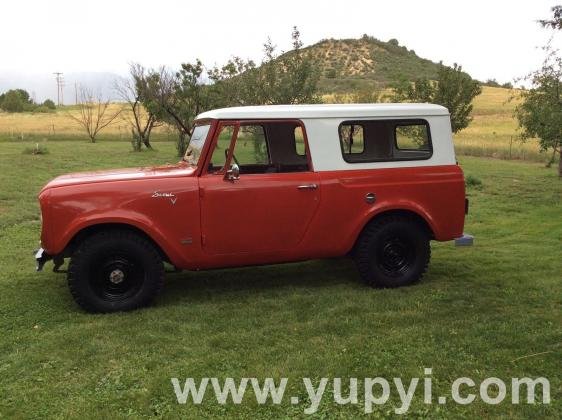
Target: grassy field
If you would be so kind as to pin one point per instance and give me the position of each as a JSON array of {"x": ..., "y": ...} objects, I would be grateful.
[
  {"x": 493, "y": 133},
  {"x": 59, "y": 125},
  {"x": 491, "y": 310}
]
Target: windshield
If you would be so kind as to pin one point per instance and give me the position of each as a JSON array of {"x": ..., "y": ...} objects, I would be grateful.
[{"x": 196, "y": 143}]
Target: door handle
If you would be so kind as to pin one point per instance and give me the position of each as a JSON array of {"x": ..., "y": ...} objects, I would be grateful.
[{"x": 307, "y": 187}]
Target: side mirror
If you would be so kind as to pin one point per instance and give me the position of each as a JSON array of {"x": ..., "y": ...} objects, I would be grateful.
[{"x": 233, "y": 173}]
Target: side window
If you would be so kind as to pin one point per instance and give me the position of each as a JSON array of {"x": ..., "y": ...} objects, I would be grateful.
[
  {"x": 218, "y": 159},
  {"x": 251, "y": 146},
  {"x": 262, "y": 147},
  {"x": 412, "y": 137},
  {"x": 287, "y": 147},
  {"x": 384, "y": 140},
  {"x": 351, "y": 139},
  {"x": 300, "y": 147}
]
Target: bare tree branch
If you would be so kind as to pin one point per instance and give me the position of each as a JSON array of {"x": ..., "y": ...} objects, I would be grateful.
[
  {"x": 93, "y": 113},
  {"x": 141, "y": 120}
]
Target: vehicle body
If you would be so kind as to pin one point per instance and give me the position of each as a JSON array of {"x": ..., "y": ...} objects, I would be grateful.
[{"x": 271, "y": 184}]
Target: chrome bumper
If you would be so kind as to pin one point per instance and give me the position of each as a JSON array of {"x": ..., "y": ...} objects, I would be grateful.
[{"x": 41, "y": 257}]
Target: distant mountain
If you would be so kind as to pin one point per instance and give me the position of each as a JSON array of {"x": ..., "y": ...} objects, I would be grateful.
[
  {"x": 348, "y": 64},
  {"x": 344, "y": 64},
  {"x": 43, "y": 86}
]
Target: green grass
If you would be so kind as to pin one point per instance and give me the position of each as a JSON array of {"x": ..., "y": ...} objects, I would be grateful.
[{"x": 476, "y": 312}]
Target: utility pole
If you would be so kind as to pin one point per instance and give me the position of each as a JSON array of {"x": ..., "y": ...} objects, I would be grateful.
[{"x": 60, "y": 84}]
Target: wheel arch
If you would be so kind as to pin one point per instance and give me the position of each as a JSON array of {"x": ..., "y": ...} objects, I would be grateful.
[
  {"x": 89, "y": 230},
  {"x": 419, "y": 217}
]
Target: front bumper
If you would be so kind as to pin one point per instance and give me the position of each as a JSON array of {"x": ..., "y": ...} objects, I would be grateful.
[{"x": 41, "y": 257}]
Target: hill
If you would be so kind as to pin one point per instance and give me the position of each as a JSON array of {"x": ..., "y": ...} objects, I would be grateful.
[{"x": 348, "y": 64}]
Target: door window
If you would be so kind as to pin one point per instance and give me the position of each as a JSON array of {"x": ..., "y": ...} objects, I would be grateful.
[
  {"x": 251, "y": 146},
  {"x": 218, "y": 158},
  {"x": 262, "y": 147}
]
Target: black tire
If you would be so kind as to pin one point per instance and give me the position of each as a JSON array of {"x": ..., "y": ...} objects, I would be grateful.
[
  {"x": 393, "y": 251},
  {"x": 115, "y": 271}
]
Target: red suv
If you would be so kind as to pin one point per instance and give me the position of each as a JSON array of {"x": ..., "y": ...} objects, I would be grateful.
[{"x": 261, "y": 185}]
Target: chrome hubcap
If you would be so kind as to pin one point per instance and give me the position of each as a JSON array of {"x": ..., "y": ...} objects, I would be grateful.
[{"x": 116, "y": 276}]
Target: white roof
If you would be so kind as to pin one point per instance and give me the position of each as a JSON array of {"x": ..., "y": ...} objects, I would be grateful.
[{"x": 326, "y": 111}]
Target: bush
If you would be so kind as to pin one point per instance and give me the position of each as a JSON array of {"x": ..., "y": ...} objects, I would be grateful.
[
  {"x": 16, "y": 100},
  {"x": 39, "y": 149},
  {"x": 49, "y": 104},
  {"x": 12, "y": 102},
  {"x": 473, "y": 182},
  {"x": 42, "y": 109},
  {"x": 331, "y": 73},
  {"x": 491, "y": 83}
]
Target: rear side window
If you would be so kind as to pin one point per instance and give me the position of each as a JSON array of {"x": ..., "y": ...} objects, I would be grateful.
[
  {"x": 300, "y": 147},
  {"x": 385, "y": 140}
]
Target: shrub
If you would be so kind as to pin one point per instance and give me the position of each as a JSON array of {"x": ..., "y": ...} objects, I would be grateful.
[
  {"x": 473, "y": 182},
  {"x": 39, "y": 149},
  {"x": 331, "y": 73},
  {"x": 49, "y": 104},
  {"x": 42, "y": 109}
]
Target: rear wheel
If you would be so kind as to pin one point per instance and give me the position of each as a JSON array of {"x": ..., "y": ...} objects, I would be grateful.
[
  {"x": 115, "y": 271},
  {"x": 393, "y": 251}
]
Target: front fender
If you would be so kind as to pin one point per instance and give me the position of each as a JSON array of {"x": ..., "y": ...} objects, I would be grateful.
[
  {"x": 135, "y": 220},
  {"x": 169, "y": 223}
]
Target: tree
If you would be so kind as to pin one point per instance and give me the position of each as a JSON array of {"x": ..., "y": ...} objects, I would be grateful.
[
  {"x": 12, "y": 102},
  {"x": 141, "y": 120},
  {"x": 234, "y": 83},
  {"x": 290, "y": 78},
  {"x": 540, "y": 112},
  {"x": 556, "y": 21},
  {"x": 454, "y": 89},
  {"x": 176, "y": 98},
  {"x": 48, "y": 103},
  {"x": 94, "y": 113},
  {"x": 16, "y": 100}
]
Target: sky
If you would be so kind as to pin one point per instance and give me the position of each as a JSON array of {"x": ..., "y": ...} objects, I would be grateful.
[{"x": 490, "y": 39}]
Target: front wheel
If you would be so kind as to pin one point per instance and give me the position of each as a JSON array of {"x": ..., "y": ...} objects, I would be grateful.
[
  {"x": 115, "y": 271},
  {"x": 393, "y": 251}
]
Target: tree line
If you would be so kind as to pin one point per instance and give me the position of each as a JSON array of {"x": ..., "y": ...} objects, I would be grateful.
[
  {"x": 175, "y": 98},
  {"x": 19, "y": 100},
  {"x": 162, "y": 96}
]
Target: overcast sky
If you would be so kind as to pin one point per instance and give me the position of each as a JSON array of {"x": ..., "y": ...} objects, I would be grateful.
[{"x": 491, "y": 39}]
